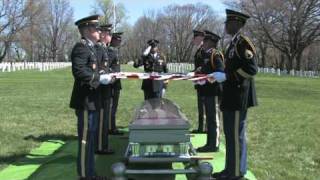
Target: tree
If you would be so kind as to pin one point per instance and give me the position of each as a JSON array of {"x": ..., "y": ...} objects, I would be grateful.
[
  {"x": 290, "y": 26},
  {"x": 172, "y": 26},
  {"x": 12, "y": 21},
  {"x": 59, "y": 19},
  {"x": 112, "y": 13}
]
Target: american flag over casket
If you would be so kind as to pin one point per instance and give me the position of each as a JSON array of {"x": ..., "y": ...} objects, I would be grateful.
[{"x": 161, "y": 76}]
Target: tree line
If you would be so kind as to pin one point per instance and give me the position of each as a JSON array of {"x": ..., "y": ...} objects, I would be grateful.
[{"x": 286, "y": 33}]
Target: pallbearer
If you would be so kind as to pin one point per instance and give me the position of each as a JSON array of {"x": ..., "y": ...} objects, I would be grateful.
[
  {"x": 239, "y": 94},
  {"x": 116, "y": 86},
  {"x": 106, "y": 92},
  {"x": 211, "y": 61},
  {"x": 198, "y": 37},
  {"x": 85, "y": 94}
]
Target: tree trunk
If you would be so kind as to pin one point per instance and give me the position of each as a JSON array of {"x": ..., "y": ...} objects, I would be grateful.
[
  {"x": 298, "y": 60},
  {"x": 4, "y": 53},
  {"x": 282, "y": 61},
  {"x": 290, "y": 60}
]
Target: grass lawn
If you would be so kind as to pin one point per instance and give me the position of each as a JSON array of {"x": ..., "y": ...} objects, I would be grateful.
[{"x": 283, "y": 131}]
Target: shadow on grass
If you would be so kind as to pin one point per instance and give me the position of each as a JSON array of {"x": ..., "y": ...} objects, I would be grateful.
[
  {"x": 21, "y": 159},
  {"x": 50, "y": 137},
  {"x": 62, "y": 163}
]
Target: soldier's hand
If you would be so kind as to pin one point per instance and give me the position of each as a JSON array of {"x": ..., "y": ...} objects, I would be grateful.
[
  {"x": 147, "y": 51},
  {"x": 218, "y": 76},
  {"x": 191, "y": 74},
  {"x": 105, "y": 79}
]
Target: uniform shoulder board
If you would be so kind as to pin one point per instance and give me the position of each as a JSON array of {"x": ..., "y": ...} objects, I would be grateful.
[{"x": 245, "y": 48}]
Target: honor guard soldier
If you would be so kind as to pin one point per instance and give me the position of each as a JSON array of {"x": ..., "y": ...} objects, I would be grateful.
[
  {"x": 211, "y": 61},
  {"x": 198, "y": 37},
  {"x": 114, "y": 65},
  {"x": 152, "y": 61},
  {"x": 85, "y": 94},
  {"x": 106, "y": 92},
  {"x": 239, "y": 94}
]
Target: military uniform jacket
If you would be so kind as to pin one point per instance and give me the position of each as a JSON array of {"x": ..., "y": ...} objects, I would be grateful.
[
  {"x": 197, "y": 62},
  {"x": 239, "y": 89},
  {"x": 211, "y": 61},
  {"x": 104, "y": 57},
  {"x": 153, "y": 63},
  {"x": 85, "y": 93},
  {"x": 114, "y": 65}
]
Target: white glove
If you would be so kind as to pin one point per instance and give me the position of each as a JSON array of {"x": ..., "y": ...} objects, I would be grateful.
[
  {"x": 218, "y": 76},
  {"x": 190, "y": 74},
  {"x": 105, "y": 79},
  {"x": 147, "y": 51},
  {"x": 163, "y": 92},
  {"x": 201, "y": 82}
]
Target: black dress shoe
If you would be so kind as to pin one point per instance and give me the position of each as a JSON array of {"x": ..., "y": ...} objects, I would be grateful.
[
  {"x": 197, "y": 131},
  {"x": 232, "y": 178},
  {"x": 115, "y": 132},
  {"x": 100, "y": 178},
  {"x": 221, "y": 174},
  {"x": 105, "y": 152},
  {"x": 208, "y": 149},
  {"x": 86, "y": 178}
]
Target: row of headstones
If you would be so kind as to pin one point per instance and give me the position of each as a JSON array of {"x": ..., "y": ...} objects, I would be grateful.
[
  {"x": 180, "y": 67},
  {"x": 41, "y": 66},
  {"x": 311, "y": 74},
  {"x": 187, "y": 67}
]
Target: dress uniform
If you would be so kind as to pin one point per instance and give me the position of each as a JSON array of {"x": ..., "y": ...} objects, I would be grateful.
[
  {"x": 102, "y": 145},
  {"x": 114, "y": 65},
  {"x": 85, "y": 97},
  {"x": 211, "y": 61},
  {"x": 200, "y": 99},
  {"x": 238, "y": 95},
  {"x": 152, "y": 61}
]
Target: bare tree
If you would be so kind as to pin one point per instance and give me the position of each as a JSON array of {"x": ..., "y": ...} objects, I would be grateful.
[
  {"x": 59, "y": 18},
  {"x": 112, "y": 13},
  {"x": 290, "y": 26},
  {"x": 172, "y": 26},
  {"x": 12, "y": 20}
]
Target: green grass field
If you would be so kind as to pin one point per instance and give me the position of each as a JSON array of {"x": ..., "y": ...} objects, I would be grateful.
[{"x": 283, "y": 131}]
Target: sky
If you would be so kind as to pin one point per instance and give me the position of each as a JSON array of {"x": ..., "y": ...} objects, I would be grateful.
[{"x": 136, "y": 8}]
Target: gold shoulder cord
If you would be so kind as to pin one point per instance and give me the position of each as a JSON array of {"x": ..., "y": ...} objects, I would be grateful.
[
  {"x": 247, "y": 40},
  {"x": 213, "y": 54}
]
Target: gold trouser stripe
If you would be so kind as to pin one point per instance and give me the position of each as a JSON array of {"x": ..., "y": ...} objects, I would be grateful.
[
  {"x": 237, "y": 144},
  {"x": 110, "y": 110},
  {"x": 84, "y": 143},
  {"x": 217, "y": 120},
  {"x": 204, "y": 116},
  {"x": 100, "y": 130}
]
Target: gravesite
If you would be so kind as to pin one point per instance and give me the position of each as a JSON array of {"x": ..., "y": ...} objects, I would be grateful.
[{"x": 160, "y": 90}]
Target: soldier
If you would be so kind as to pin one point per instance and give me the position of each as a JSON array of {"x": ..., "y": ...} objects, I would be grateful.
[
  {"x": 211, "y": 61},
  {"x": 116, "y": 86},
  {"x": 106, "y": 92},
  {"x": 238, "y": 95},
  {"x": 85, "y": 94},
  {"x": 198, "y": 37},
  {"x": 152, "y": 61}
]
